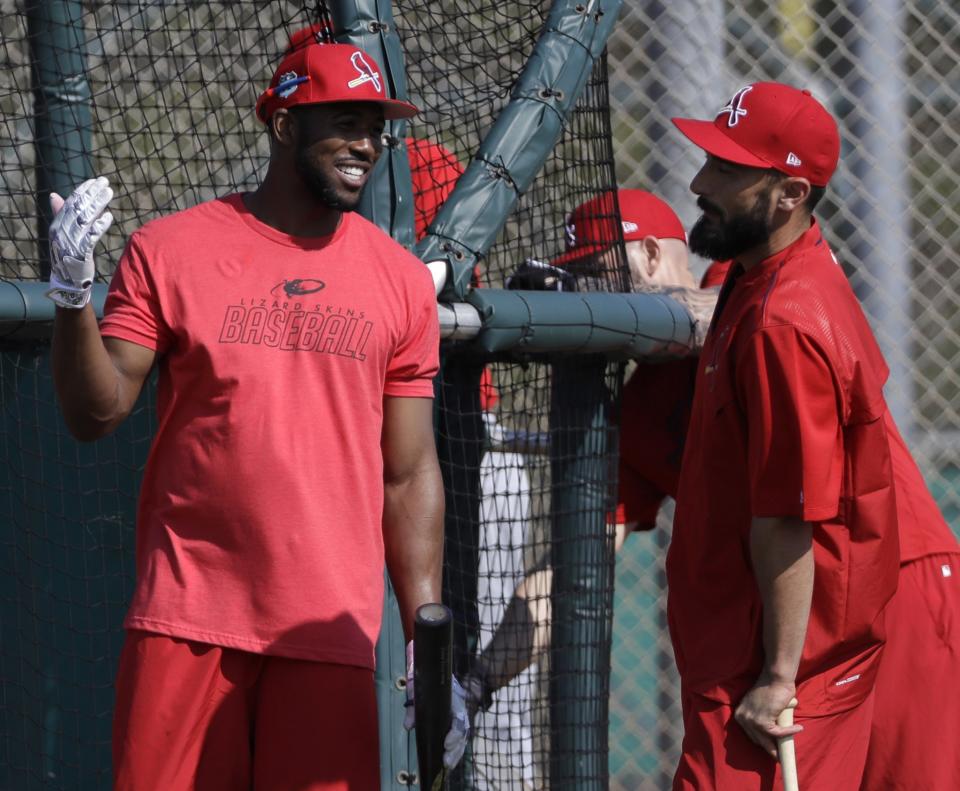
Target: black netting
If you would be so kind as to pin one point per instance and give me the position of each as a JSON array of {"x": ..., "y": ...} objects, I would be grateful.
[
  {"x": 66, "y": 570},
  {"x": 161, "y": 103},
  {"x": 512, "y": 443}
]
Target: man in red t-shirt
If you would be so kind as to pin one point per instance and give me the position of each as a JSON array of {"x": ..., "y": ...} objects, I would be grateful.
[
  {"x": 784, "y": 552},
  {"x": 296, "y": 345}
]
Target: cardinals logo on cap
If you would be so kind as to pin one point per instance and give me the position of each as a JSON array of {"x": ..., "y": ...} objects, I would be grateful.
[
  {"x": 736, "y": 112},
  {"x": 366, "y": 71}
]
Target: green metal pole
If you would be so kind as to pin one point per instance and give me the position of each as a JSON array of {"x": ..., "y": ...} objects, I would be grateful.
[
  {"x": 583, "y": 442},
  {"x": 62, "y": 105},
  {"x": 397, "y": 764},
  {"x": 387, "y": 201},
  {"x": 520, "y": 140},
  {"x": 62, "y": 124},
  {"x": 460, "y": 449}
]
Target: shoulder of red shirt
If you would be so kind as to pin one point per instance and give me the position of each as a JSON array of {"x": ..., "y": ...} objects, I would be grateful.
[{"x": 715, "y": 274}]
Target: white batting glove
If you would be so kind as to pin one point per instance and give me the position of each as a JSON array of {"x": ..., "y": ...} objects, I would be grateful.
[
  {"x": 455, "y": 741},
  {"x": 78, "y": 223}
]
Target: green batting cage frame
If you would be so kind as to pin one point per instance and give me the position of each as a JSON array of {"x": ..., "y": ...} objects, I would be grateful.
[{"x": 158, "y": 97}]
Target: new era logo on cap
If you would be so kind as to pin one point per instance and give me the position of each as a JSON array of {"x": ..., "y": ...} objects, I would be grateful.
[{"x": 771, "y": 125}]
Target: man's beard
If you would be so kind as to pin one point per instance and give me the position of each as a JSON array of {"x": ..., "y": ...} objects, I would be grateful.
[
  {"x": 321, "y": 186},
  {"x": 723, "y": 241}
]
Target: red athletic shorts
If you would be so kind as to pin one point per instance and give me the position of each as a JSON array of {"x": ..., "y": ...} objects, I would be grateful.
[
  {"x": 915, "y": 737},
  {"x": 200, "y": 717},
  {"x": 718, "y": 756}
]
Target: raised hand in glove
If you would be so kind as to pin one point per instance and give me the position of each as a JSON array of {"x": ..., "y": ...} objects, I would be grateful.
[
  {"x": 456, "y": 739},
  {"x": 78, "y": 223},
  {"x": 534, "y": 275}
]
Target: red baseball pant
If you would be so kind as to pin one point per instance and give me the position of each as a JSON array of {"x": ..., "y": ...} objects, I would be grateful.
[
  {"x": 915, "y": 736},
  {"x": 718, "y": 756},
  {"x": 204, "y": 718}
]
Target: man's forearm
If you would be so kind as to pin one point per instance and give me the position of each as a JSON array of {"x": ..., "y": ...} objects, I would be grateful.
[
  {"x": 413, "y": 540},
  {"x": 86, "y": 380},
  {"x": 782, "y": 554}
]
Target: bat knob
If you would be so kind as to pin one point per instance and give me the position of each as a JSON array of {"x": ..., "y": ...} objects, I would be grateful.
[{"x": 433, "y": 614}]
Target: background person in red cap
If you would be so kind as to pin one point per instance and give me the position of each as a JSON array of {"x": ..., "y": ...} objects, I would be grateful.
[
  {"x": 785, "y": 547},
  {"x": 655, "y": 407},
  {"x": 296, "y": 346},
  {"x": 655, "y": 245},
  {"x": 657, "y": 397}
]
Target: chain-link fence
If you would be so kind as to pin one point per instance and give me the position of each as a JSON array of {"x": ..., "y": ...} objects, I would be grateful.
[{"x": 890, "y": 73}]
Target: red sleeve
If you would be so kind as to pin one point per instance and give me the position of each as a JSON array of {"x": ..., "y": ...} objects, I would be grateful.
[
  {"x": 132, "y": 311},
  {"x": 488, "y": 391},
  {"x": 640, "y": 500},
  {"x": 417, "y": 358},
  {"x": 795, "y": 443}
]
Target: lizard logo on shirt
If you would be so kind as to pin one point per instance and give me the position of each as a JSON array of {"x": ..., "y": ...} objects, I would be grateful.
[
  {"x": 298, "y": 287},
  {"x": 292, "y": 319}
]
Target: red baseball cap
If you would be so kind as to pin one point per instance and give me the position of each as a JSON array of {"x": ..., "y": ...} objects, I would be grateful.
[
  {"x": 434, "y": 172},
  {"x": 771, "y": 125},
  {"x": 591, "y": 227},
  {"x": 326, "y": 73}
]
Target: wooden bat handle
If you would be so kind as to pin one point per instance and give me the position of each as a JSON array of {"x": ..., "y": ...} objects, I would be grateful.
[{"x": 787, "y": 750}]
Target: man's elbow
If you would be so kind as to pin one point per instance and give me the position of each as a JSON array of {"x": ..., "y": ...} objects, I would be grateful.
[
  {"x": 425, "y": 473},
  {"x": 420, "y": 488},
  {"x": 89, "y": 428}
]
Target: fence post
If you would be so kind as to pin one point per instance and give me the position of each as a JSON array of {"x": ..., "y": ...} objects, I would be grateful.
[
  {"x": 582, "y": 559},
  {"x": 387, "y": 201},
  {"x": 61, "y": 105}
]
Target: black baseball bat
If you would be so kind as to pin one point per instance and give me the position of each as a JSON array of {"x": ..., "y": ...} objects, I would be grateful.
[{"x": 432, "y": 679}]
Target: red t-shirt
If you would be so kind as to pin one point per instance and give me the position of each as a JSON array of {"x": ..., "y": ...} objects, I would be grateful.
[
  {"x": 259, "y": 523},
  {"x": 788, "y": 421},
  {"x": 653, "y": 424}
]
